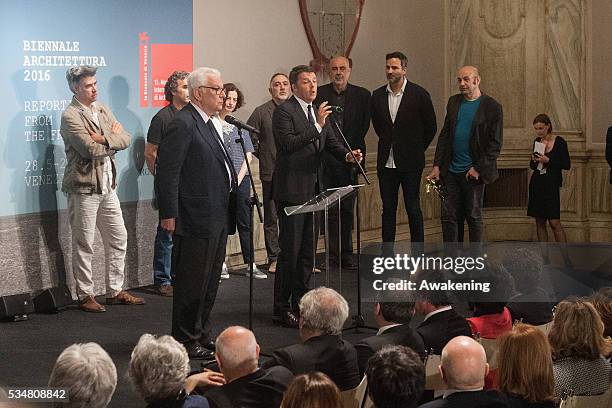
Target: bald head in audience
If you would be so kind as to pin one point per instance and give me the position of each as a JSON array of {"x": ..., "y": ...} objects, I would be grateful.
[
  {"x": 237, "y": 352},
  {"x": 464, "y": 364}
]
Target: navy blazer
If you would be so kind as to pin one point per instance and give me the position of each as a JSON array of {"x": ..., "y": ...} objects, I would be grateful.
[
  {"x": 486, "y": 137},
  {"x": 192, "y": 180},
  {"x": 413, "y": 130},
  {"x": 297, "y": 155}
]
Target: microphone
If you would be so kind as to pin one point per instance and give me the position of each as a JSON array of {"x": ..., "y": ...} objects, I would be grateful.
[
  {"x": 239, "y": 124},
  {"x": 334, "y": 108}
]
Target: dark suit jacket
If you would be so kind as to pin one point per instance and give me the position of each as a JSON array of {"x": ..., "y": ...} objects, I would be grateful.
[
  {"x": 261, "y": 389},
  {"x": 486, "y": 137},
  {"x": 355, "y": 125},
  {"x": 265, "y": 148},
  {"x": 609, "y": 150},
  {"x": 440, "y": 328},
  {"x": 414, "y": 128},
  {"x": 329, "y": 354},
  {"x": 472, "y": 399},
  {"x": 297, "y": 156},
  {"x": 402, "y": 335},
  {"x": 192, "y": 180}
]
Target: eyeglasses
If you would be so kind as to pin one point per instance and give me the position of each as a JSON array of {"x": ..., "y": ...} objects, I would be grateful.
[{"x": 215, "y": 89}]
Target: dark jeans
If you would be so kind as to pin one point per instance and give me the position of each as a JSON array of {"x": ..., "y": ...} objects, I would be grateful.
[
  {"x": 464, "y": 200},
  {"x": 389, "y": 181},
  {"x": 243, "y": 219},
  {"x": 295, "y": 260},
  {"x": 162, "y": 257},
  {"x": 270, "y": 221}
]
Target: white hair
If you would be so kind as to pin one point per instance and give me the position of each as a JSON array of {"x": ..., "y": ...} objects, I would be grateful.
[
  {"x": 199, "y": 77},
  {"x": 237, "y": 348},
  {"x": 323, "y": 309},
  {"x": 158, "y": 367},
  {"x": 88, "y": 373}
]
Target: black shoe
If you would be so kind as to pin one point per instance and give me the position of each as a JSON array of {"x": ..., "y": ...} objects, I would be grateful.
[
  {"x": 197, "y": 352},
  {"x": 210, "y": 345},
  {"x": 349, "y": 265},
  {"x": 286, "y": 319}
]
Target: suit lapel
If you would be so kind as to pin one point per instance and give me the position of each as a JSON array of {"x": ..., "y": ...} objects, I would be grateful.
[
  {"x": 207, "y": 136},
  {"x": 384, "y": 102}
]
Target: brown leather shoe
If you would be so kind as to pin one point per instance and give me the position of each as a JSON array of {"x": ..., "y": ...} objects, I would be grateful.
[
  {"x": 165, "y": 290},
  {"x": 89, "y": 304},
  {"x": 124, "y": 298}
]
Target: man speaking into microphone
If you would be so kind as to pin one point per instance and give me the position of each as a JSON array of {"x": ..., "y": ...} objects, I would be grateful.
[{"x": 302, "y": 133}]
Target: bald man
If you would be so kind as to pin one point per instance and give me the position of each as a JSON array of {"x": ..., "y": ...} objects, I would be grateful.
[
  {"x": 466, "y": 155},
  {"x": 354, "y": 121},
  {"x": 463, "y": 368},
  {"x": 247, "y": 385}
]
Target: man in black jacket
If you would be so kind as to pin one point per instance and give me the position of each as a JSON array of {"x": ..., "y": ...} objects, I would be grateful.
[
  {"x": 405, "y": 122},
  {"x": 246, "y": 385},
  {"x": 301, "y": 135},
  {"x": 323, "y": 312},
  {"x": 393, "y": 320},
  {"x": 352, "y": 116},
  {"x": 466, "y": 154}
]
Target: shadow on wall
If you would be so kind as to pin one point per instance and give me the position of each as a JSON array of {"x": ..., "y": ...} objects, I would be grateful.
[{"x": 132, "y": 163}]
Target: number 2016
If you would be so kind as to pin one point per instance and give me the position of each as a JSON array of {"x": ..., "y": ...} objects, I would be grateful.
[{"x": 36, "y": 75}]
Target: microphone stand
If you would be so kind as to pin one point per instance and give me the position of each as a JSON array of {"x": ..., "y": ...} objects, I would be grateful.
[
  {"x": 252, "y": 201},
  {"x": 358, "y": 320}
]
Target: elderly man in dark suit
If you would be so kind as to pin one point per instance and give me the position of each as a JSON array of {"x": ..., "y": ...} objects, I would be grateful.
[
  {"x": 466, "y": 154},
  {"x": 405, "y": 122},
  {"x": 247, "y": 385},
  {"x": 195, "y": 184},
  {"x": 301, "y": 136},
  {"x": 352, "y": 115},
  {"x": 323, "y": 312},
  {"x": 393, "y": 320},
  {"x": 265, "y": 151}
]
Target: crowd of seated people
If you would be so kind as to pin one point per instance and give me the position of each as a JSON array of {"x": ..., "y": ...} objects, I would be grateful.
[{"x": 534, "y": 369}]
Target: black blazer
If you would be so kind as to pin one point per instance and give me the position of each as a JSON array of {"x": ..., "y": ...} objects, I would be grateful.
[
  {"x": 440, "y": 328},
  {"x": 402, "y": 335},
  {"x": 414, "y": 128},
  {"x": 192, "y": 181},
  {"x": 486, "y": 137},
  {"x": 559, "y": 160},
  {"x": 297, "y": 155},
  {"x": 355, "y": 125},
  {"x": 609, "y": 150},
  {"x": 261, "y": 389},
  {"x": 470, "y": 399},
  {"x": 329, "y": 354}
]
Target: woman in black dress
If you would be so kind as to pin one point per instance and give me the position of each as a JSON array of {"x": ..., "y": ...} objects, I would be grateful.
[{"x": 544, "y": 203}]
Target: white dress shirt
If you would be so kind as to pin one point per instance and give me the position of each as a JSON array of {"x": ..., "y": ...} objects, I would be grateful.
[
  {"x": 394, "y": 102},
  {"x": 304, "y": 106}
]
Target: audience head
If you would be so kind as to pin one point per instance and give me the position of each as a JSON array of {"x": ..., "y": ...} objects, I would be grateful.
[
  {"x": 468, "y": 80},
  {"x": 602, "y": 301},
  {"x": 82, "y": 82},
  {"x": 237, "y": 352},
  {"x": 159, "y": 367},
  {"x": 340, "y": 71},
  {"x": 501, "y": 287},
  {"x": 396, "y": 377},
  {"x": 542, "y": 125},
  {"x": 322, "y": 311},
  {"x": 577, "y": 330},
  {"x": 303, "y": 81},
  {"x": 525, "y": 267},
  {"x": 279, "y": 89},
  {"x": 428, "y": 301},
  {"x": 312, "y": 390},
  {"x": 206, "y": 90},
  {"x": 176, "y": 89},
  {"x": 396, "y": 65},
  {"x": 234, "y": 98},
  {"x": 88, "y": 373},
  {"x": 525, "y": 364},
  {"x": 387, "y": 313},
  {"x": 464, "y": 364}
]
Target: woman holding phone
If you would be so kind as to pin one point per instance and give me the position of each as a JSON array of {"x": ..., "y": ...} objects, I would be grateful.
[{"x": 549, "y": 158}]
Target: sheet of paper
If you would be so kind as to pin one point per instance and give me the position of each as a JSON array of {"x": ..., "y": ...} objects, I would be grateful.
[{"x": 539, "y": 147}]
